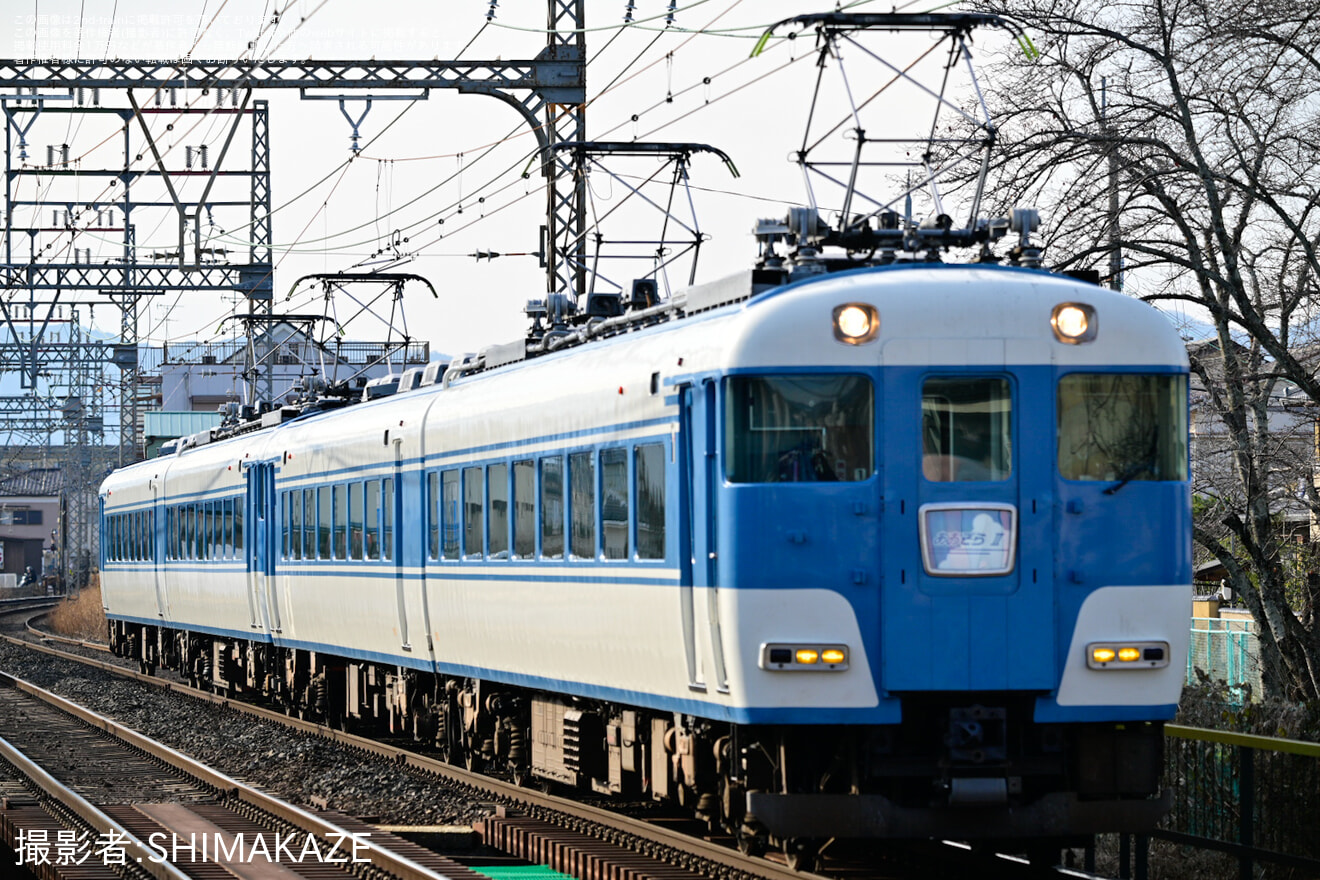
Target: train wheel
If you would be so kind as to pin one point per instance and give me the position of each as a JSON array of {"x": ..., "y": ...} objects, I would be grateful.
[
  {"x": 751, "y": 844},
  {"x": 800, "y": 855}
]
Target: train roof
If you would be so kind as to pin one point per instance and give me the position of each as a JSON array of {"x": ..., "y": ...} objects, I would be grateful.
[{"x": 970, "y": 314}]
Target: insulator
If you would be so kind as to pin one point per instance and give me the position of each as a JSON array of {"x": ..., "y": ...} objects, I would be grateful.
[
  {"x": 669, "y": 16},
  {"x": 187, "y": 157},
  {"x": 628, "y": 12},
  {"x": 174, "y": 97},
  {"x": 96, "y": 96},
  {"x": 204, "y": 149},
  {"x": 490, "y": 14},
  {"x": 82, "y": 96}
]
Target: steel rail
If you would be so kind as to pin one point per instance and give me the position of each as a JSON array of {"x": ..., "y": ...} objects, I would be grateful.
[
  {"x": 387, "y": 861},
  {"x": 144, "y": 856},
  {"x": 713, "y": 852}
]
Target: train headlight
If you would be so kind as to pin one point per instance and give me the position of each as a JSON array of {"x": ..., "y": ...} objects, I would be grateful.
[
  {"x": 1127, "y": 655},
  {"x": 785, "y": 657},
  {"x": 1073, "y": 323},
  {"x": 856, "y": 323}
]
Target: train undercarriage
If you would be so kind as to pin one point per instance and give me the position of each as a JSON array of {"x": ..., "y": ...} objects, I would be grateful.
[{"x": 953, "y": 769}]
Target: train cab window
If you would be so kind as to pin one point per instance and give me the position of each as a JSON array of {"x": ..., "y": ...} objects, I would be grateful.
[
  {"x": 324, "y": 519},
  {"x": 552, "y": 507},
  {"x": 472, "y": 518},
  {"x": 387, "y": 517},
  {"x": 449, "y": 495},
  {"x": 497, "y": 493},
  {"x": 966, "y": 424},
  {"x": 339, "y": 526},
  {"x": 792, "y": 429},
  {"x": 1122, "y": 427},
  {"x": 433, "y": 509},
  {"x": 649, "y": 468},
  {"x": 354, "y": 520},
  {"x": 614, "y": 502},
  {"x": 582, "y": 505},
  {"x": 373, "y": 519},
  {"x": 524, "y": 510}
]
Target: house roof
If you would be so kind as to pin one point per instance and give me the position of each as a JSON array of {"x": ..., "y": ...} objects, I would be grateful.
[{"x": 39, "y": 482}]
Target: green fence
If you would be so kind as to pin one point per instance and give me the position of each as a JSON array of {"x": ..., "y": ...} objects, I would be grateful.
[
  {"x": 1226, "y": 649},
  {"x": 1256, "y": 798}
]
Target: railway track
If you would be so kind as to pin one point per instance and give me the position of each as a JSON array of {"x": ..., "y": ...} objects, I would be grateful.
[
  {"x": 103, "y": 793},
  {"x": 587, "y": 841}
]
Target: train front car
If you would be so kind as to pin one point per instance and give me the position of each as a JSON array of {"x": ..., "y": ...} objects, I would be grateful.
[{"x": 955, "y": 518}]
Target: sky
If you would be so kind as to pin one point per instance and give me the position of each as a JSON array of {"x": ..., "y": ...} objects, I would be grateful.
[{"x": 438, "y": 180}]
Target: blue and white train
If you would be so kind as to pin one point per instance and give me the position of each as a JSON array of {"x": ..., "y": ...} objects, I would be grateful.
[{"x": 892, "y": 551}]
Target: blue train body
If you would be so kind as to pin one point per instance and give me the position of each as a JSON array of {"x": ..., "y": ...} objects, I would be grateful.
[{"x": 889, "y": 552}]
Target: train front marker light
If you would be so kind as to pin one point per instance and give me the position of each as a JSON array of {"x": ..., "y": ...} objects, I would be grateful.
[
  {"x": 1074, "y": 323},
  {"x": 789, "y": 657},
  {"x": 856, "y": 323},
  {"x": 1127, "y": 655}
]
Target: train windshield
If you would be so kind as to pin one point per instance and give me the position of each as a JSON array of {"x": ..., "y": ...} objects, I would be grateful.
[
  {"x": 801, "y": 428},
  {"x": 966, "y": 424},
  {"x": 1122, "y": 427}
]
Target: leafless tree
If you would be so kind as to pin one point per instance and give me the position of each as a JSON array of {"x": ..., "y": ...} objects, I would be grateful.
[{"x": 1185, "y": 135}]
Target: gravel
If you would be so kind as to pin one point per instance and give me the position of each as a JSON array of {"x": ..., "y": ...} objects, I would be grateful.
[{"x": 294, "y": 766}]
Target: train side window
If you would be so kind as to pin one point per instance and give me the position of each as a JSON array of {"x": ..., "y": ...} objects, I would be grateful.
[
  {"x": 309, "y": 523},
  {"x": 207, "y": 528},
  {"x": 649, "y": 470},
  {"x": 190, "y": 532},
  {"x": 296, "y": 524},
  {"x": 373, "y": 519},
  {"x": 450, "y": 518},
  {"x": 354, "y": 520},
  {"x": 966, "y": 429},
  {"x": 524, "y": 510},
  {"x": 238, "y": 527},
  {"x": 324, "y": 517},
  {"x": 798, "y": 428},
  {"x": 1122, "y": 427},
  {"x": 582, "y": 505},
  {"x": 285, "y": 507},
  {"x": 473, "y": 478},
  {"x": 433, "y": 515},
  {"x": 387, "y": 518},
  {"x": 497, "y": 493},
  {"x": 340, "y": 549},
  {"x": 228, "y": 528},
  {"x": 552, "y": 507},
  {"x": 614, "y": 502}
]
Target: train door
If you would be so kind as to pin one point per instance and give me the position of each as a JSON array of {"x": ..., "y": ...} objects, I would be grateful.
[
  {"x": 967, "y": 573},
  {"x": 699, "y": 589},
  {"x": 263, "y": 604},
  {"x": 410, "y": 595},
  {"x": 156, "y": 525}
]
